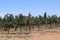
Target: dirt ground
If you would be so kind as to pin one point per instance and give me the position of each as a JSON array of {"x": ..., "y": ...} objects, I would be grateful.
[{"x": 35, "y": 35}]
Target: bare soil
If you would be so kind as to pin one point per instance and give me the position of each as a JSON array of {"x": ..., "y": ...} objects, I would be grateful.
[{"x": 49, "y": 34}]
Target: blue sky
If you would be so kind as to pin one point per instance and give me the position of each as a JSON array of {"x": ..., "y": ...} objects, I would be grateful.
[{"x": 36, "y": 7}]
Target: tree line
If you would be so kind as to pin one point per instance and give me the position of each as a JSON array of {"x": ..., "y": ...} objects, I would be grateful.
[{"x": 19, "y": 21}]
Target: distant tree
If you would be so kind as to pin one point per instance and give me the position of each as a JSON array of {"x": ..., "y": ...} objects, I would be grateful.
[
  {"x": 49, "y": 21},
  {"x": 39, "y": 21},
  {"x": 1, "y": 22},
  {"x": 59, "y": 21},
  {"x": 29, "y": 21},
  {"x": 54, "y": 19},
  {"x": 20, "y": 21},
  {"x": 16, "y": 22},
  {"x": 45, "y": 17},
  {"x": 32, "y": 22},
  {"x": 8, "y": 21},
  {"x": 25, "y": 22}
]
